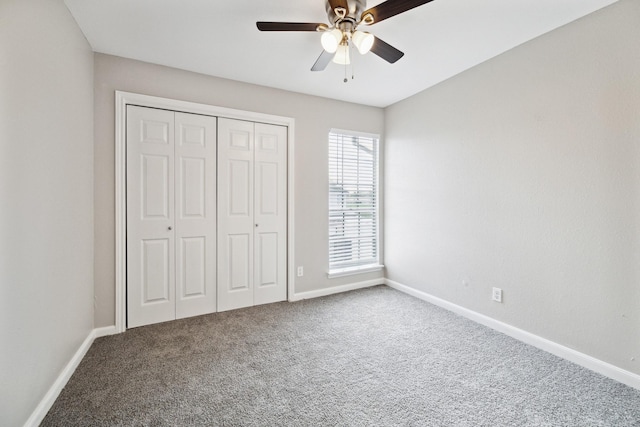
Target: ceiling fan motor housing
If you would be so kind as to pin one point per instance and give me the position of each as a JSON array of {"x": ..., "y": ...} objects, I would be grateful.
[{"x": 356, "y": 7}]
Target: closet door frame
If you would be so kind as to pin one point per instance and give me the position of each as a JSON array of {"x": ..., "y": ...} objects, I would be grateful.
[{"x": 127, "y": 98}]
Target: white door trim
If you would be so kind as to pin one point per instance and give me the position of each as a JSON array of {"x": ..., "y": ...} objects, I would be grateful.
[{"x": 126, "y": 98}]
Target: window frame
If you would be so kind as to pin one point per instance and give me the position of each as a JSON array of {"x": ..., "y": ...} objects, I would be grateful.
[{"x": 376, "y": 264}]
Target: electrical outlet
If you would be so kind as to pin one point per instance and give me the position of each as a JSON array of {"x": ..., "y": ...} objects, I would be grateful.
[
  {"x": 496, "y": 294},
  {"x": 300, "y": 271}
]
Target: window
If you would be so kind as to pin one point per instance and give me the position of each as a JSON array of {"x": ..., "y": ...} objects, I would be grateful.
[{"x": 353, "y": 202}]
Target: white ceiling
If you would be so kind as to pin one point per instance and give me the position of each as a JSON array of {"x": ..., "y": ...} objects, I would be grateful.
[{"x": 220, "y": 38}]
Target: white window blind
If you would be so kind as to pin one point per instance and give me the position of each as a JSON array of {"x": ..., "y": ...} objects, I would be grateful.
[{"x": 353, "y": 201}]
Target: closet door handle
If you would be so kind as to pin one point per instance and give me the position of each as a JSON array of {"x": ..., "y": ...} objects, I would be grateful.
[
  {"x": 256, "y": 225},
  {"x": 170, "y": 228}
]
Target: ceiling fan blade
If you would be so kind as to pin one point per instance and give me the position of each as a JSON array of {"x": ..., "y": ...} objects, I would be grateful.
[
  {"x": 339, "y": 3},
  {"x": 390, "y": 8},
  {"x": 386, "y": 51},
  {"x": 289, "y": 26},
  {"x": 322, "y": 61}
]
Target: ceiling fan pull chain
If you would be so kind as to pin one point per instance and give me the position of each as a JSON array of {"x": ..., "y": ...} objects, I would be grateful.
[
  {"x": 353, "y": 65},
  {"x": 345, "y": 72}
]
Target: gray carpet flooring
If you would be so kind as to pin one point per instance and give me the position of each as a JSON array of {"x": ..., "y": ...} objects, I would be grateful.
[{"x": 372, "y": 357}]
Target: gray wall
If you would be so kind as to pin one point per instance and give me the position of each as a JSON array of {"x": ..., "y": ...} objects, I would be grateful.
[
  {"x": 46, "y": 191},
  {"x": 524, "y": 173},
  {"x": 314, "y": 117}
]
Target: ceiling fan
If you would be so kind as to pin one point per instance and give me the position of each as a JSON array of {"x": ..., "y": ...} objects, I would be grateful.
[{"x": 345, "y": 16}]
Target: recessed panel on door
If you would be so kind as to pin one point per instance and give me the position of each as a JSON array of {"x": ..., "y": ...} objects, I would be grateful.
[
  {"x": 268, "y": 142},
  {"x": 239, "y": 187},
  {"x": 155, "y": 132},
  {"x": 239, "y": 262},
  {"x": 193, "y": 258},
  {"x": 192, "y": 134},
  {"x": 240, "y": 139},
  {"x": 267, "y": 259},
  {"x": 154, "y": 186},
  {"x": 193, "y": 194},
  {"x": 267, "y": 183},
  {"x": 156, "y": 270}
]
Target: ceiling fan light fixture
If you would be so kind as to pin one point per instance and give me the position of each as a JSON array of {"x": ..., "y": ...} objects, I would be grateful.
[
  {"x": 363, "y": 41},
  {"x": 331, "y": 40},
  {"x": 342, "y": 55}
]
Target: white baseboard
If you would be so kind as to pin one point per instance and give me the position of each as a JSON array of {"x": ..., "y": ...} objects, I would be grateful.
[
  {"x": 336, "y": 289},
  {"x": 54, "y": 391},
  {"x": 104, "y": 331},
  {"x": 586, "y": 361}
]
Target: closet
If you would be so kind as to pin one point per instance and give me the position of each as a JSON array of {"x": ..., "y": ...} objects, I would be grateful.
[
  {"x": 171, "y": 215},
  {"x": 252, "y": 213},
  {"x": 206, "y": 214}
]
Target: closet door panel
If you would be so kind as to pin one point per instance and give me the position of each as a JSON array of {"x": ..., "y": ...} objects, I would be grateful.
[
  {"x": 270, "y": 203},
  {"x": 235, "y": 214},
  {"x": 150, "y": 199},
  {"x": 195, "y": 188}
]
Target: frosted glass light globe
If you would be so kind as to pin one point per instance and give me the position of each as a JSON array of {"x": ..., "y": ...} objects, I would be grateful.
[
  {"x": 342, "y": 55},
  {"x": 363, "y": 41},
  {"x": 331, "y": 40}
]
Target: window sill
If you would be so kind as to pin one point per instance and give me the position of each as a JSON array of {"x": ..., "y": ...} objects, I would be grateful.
[{"x": 354, "y": 270}]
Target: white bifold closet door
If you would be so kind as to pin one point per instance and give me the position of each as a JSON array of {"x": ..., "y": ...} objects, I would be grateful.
[
  {"x": 252, "y": 213},
  {"x": 171, "y": 215}
]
